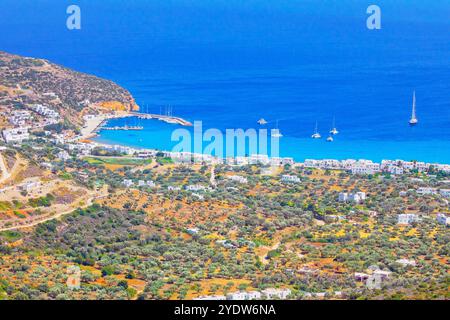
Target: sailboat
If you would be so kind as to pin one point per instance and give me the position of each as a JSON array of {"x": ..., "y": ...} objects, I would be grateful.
[
  {"x": 330, "y": 139},
  {"x": 262, "y": 121},
  {"x": 413, "y": 121},
  {"x": 334, "y": 131},
  {"x": 276, "y": 133},
  {"x": 316, "y": 134}
]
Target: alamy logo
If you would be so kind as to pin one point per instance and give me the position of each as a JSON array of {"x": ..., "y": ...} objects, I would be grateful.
[
  {"x": 235, "y": 142},
  {"x": 74, "y": 20},
  {"x": 374, "y": 20}
]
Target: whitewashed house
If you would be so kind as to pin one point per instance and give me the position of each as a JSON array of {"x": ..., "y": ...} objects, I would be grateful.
[
  {"x": 290, "y": 179},
  {"x": 407, "y": 218}
]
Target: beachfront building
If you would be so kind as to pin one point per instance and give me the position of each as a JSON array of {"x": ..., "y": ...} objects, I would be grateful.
[
  {"x": 118, "y": 148},
  {"x": 16, "y": 135},
  {"x": 407, "y": 218},
  {"x": 82, "y": 148},
  {"x": 290, "y": 179},
  {"x": 443, "y": 219}
]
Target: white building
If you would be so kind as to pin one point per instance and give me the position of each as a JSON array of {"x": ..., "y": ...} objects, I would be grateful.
[
  {"x": 16, "y": 135},
  {"x": 290, "y": 179},
  {"x": 149, "y": 183},
  {"x": 426, "y": 191},
  {"x": 443, "y": 219},
  {"x": 172, "y": 188},
  {"x": 20, "y": 117},
  {"x": 63, "y": 155},
  {"x": 242, "y": 295},
  {"x": 29, "y": 186},
  {"x": 357, "y": 197},
  {"x": 45, "y": 111},
  {"x": 445, "y": 193},
  {"x": 238, "y": 179},
  {"x": 218, "y": 297},
  {"x": 407, "y": 218},
  {"x": 406, "y": 262},
  {"x": 128, "y": 183},
  {"x": 259, "y": 159},
  {"x": 193, "y": 231},
  {"x": 195, "y": 188},
  {"x": 276, "y": 293}
]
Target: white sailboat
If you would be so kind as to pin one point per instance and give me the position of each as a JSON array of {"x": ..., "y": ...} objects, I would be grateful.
[
  {"x": 316, "y": 134},
  {"x": 330, "y": 139},
  {"x": 262, "y": 121},
  {"x": 276, "y": 133},
  {"x": 334, "y": 131},
  {"x": 413, "y": 121}
]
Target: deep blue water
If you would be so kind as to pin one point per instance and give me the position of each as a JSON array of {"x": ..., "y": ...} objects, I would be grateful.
[{"x": 229, "y": 63}]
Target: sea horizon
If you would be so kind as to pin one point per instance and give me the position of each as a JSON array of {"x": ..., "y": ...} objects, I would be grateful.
[{"x": 228, "y": 65}]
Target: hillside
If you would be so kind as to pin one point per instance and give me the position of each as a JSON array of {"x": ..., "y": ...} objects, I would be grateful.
[{"x": 26, "y": 81}]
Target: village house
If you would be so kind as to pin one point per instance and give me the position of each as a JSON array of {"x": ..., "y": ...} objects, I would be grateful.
[
  {"x": 29, "y": 186},
  {"x": 426, "y": 191},
  {"x": 195, "y": 188},
  {"x": 242, "y": 295},
  {"x": 63, "y": 155},
  {"x": 217, "y": 297},
  {"x": 259, "y": 159},
  {"x": 445, "y": 193},
  {"x": 357, "y": 197},
  {"x": 276, "y": 293},
  {"x": 406, "y": 262},
  {"x": 443, "y": 219},
  {"x": 20, "y": 117},
  {"x": 360, "y": 276},
  {"x": 192, "y": 231},
  {"x": 290, "y": 179},
  {"x": 238, "y": 179},
  {"x": 407, "y": 218},
  {"x": 16, "y": 135},
  {"x": 128, "y": 183},
  {"x": 149, "y": 183}
]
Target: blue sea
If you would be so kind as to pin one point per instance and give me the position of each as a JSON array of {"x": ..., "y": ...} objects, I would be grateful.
[{"x": 229, "y": 63}]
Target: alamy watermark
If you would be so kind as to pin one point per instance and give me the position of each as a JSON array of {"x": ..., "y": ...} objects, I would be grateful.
[
  {"x": 374, "y": 20},
  {"x": 73, "y": 22},
  {"x": 234, "y": 143}
]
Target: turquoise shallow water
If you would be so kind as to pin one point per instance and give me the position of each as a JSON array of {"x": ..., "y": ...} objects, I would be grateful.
[{"x": 229, "y": 63}]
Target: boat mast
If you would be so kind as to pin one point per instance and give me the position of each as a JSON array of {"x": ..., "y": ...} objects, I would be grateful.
[{"x": 413, "y": 116}]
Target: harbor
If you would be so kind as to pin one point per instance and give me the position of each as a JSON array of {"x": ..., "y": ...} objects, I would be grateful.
[{"x": 165, "y": 118}]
